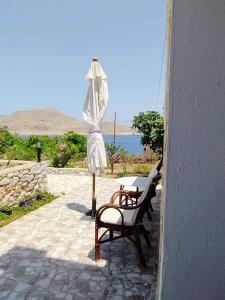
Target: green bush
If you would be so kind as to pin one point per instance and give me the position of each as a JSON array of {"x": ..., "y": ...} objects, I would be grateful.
[
  {"x": 7, "y": 140},
  {"x": 48, "y": 144},
  {"x": 142, "y": 169},
  {"x": 20, "y": 151},
  {"x": 61, "y": 156},
  {"x": 73, "y": 147},
  {"x": 123, "y": 174},
  {"x": 78, "y": 160},
  {"x": 14, "y": 147},
  {"x": 3, "y": 217},
  {"x": 71, "y": 138}
]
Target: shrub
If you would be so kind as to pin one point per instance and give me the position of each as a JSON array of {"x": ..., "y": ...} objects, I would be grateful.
[
  {"x": 123, "y": 174},
  {"x": 78, "y": 160},
  {"x": 7, "y": 140},
  {"x": 61, "y": 156},
  {"x": 71, "y": 138},
  {"x": 15, "y": 147},
  {"x": 20, "y": 151},
  {"x": 142, "y": 169},
  {"x": 48, "y": 144},
  {"x": 73, "y": 148},
  {"x": 124, "y": 157}
]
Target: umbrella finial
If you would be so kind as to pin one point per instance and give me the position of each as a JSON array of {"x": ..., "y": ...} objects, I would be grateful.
[{"x": 95, "y": 58}]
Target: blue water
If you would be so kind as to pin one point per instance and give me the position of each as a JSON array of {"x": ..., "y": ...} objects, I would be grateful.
[{"x": 131, "y": 143}]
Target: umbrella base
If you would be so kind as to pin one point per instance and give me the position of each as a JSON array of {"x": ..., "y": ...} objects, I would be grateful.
[
  {"x": 88, "y": 213},
  {"x": 92, "y": 212}
]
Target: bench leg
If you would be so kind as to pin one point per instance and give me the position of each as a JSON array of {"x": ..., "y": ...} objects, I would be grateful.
[
  {"x": 145, "y": 234},
  {"x": 139, "y": 249},
  {"x": 151, "y": 207},
  {"x": 149, "y": 214},
  {"x": 97, "y": 245}
]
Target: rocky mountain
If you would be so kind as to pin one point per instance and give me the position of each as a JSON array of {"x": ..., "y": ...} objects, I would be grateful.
[{"x": 49, "y": 121}]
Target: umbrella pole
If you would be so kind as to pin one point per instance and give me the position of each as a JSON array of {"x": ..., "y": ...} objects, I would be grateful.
[{"x": 93, "y": 197}]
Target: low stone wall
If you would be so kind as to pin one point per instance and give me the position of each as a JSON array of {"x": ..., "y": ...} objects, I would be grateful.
[
  {"x": 68, "y": 171},
  {"x": 23, "y": 179}
]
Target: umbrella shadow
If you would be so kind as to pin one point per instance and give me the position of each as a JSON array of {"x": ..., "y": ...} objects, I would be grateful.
[
  {"x": 77, "y": 207},
  {"x": 82, "y": 209}
]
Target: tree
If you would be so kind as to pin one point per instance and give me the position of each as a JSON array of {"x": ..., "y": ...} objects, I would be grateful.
[
  {"x": 111, "y": 151},
  {"x": 150, "y": 124},
  {"x": 116, "y": 154}
]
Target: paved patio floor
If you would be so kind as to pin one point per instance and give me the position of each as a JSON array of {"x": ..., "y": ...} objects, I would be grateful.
[{"x": 49, "y": 254}]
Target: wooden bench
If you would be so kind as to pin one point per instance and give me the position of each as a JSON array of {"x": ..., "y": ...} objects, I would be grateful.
[{"x": 125, "y": 218}]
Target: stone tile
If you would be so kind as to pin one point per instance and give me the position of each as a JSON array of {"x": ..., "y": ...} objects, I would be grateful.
[
  {"x": 16, "y": 296},
  {"x": 43, "y": 283},
  {"x": 23, "y": 287},
  {"x": 8, "y": 285},
  {"x": 4, "y": 295},
  {"x": 85, "y": 276}
]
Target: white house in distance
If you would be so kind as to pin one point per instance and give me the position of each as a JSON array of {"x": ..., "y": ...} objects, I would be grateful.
[
  {"x": 192, "y": 246},
  {"x": 147, "y": 153}
]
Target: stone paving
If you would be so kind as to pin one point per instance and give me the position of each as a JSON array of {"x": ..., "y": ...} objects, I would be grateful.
[{"x": 49, "y": 254}]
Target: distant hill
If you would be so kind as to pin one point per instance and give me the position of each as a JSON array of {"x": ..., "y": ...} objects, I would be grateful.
[{"x": 49, "y": 121}]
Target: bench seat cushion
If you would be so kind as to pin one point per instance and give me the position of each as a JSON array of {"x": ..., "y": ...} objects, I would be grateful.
[
  {"x": 112, "y": 216},
  {"x": 133, "y": 188}
]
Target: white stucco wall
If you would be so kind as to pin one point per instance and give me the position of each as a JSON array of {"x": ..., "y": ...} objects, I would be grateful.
[{"x": 192, "y": 262}]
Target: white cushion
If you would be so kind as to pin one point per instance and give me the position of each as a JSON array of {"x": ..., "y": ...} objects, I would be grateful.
[
  {"x": 133, "y": 188},
  {"x": 153, "y": 173},
  {"x": 112, "y": 216},
  {"x": 138, "y": 181},
  {"x": 133, "y": 181},
  {"x": 150, "y": 177}
]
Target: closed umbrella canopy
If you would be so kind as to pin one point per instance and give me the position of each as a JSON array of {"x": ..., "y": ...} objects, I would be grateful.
[{"x": 93, "y": 112}]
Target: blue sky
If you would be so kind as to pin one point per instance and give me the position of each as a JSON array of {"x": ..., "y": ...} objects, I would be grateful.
[{"x": 46, "y": 47}]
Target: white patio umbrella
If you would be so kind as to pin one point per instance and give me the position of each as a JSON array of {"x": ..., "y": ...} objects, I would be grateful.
[{"x": 93, "y": 112}]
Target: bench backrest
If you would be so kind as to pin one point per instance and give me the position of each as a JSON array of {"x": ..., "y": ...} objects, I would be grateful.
[{"x": 154, "y": 172}]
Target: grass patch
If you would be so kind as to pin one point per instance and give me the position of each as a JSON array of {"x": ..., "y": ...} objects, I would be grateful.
[
  {"x": 143, "y": 169},
  {"x": 18, "y": 212},
  {"x": 123, "y": 174},
  {"x": 132, "y": 169}
]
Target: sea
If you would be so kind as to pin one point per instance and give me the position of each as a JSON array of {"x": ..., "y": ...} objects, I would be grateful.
[{"x": 131, "y": 143}]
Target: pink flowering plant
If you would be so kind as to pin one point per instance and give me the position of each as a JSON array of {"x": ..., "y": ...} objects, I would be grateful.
[
  {"x": 69, "y": 148},
  {"x": 62, "y": 146},
  {"x": 61, "y": 156}
]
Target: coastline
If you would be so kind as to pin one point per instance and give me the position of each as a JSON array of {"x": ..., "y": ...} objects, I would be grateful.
[{"x": 60, "y": 133}]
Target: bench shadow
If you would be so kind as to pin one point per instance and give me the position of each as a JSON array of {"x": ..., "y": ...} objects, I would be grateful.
[
  {"x": 124, "y": 252},
  {"x": 28, "y": 273}
]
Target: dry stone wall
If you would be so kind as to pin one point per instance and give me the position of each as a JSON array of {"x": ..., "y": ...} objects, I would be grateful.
[
  {"x": 68, "y": 171},
  {"x": 21, "y": 180}
]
